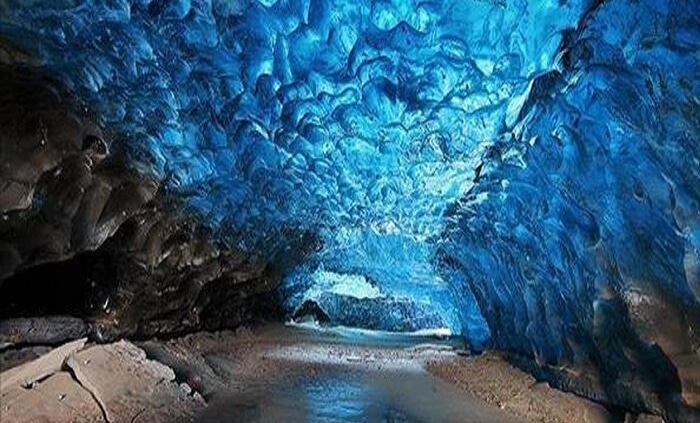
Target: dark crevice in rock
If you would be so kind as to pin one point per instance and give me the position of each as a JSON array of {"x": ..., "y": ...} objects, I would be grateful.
[
  {"x": 191, "y": 370},
  {"x": 16, "y": 355},
  {"x": 311, "y": 310},
  {"x": 159, "y": 275},
  {"x": 69, "y": 287},
  {"x": 84, "y": 232}
]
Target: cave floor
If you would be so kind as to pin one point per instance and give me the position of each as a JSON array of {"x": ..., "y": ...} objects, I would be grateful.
[
  {"x": 281, "y": 374},
  {"x": 314, "y": 377}
]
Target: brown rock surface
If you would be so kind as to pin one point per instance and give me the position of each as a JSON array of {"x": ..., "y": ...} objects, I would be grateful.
[
  {"x": 28, "y": 373},
  {"x": 56, "y": 399},
  {"x": 688, "y": 367},
  {"x": 648, "y": 418},
  {"x": 131, "y": 388},
  {"x": 104, "y": 383}
]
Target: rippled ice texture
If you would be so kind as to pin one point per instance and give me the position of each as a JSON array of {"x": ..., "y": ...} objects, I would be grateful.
[
  {"x": 581, "y": 239},
  {"x": 368, "y": 115}
]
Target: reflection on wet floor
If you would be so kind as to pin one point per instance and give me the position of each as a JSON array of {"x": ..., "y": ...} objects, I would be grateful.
[
  {"x": 345, "y": 399},
  {"x": 347, "y": 375},
  {"x": 339, "y": 394}
]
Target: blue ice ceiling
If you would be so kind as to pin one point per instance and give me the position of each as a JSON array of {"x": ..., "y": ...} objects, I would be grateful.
[
  {"x": 500, "y": 168},
  {"x": 364, "y": 115}
]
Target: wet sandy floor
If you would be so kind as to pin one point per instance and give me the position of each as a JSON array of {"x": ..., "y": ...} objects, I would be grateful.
[
  {"x": 351, "y": 383},
  {"x": 275, "y": 373},
  {"x": 342, "y": 395},
  {"x": 337, "y": 395}
]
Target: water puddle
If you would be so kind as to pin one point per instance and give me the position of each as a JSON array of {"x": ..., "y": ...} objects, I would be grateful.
[
  {"x": 334, "y": 393},
  {"x": 320, "y": 374}
]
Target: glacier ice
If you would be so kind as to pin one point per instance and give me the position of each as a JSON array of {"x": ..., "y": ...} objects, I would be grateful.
[
  {"x": 526, "y": 174},
  {"x": 361, "y": 118},
  {"x": 589, "y": 204},
  {"x": 306, "y": 113}
]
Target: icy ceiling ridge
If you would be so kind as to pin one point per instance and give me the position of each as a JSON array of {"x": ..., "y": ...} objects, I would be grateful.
[
  {"x": 585, "y": 248},
  {"x": 361, "y": 121},
  {"x": 369, "y": 115}
]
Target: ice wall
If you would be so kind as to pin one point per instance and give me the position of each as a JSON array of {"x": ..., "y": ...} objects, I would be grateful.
[{"x": 580, "y": 239}]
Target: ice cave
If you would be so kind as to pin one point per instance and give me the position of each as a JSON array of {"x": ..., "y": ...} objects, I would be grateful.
[{"x": 350, "y": 211}]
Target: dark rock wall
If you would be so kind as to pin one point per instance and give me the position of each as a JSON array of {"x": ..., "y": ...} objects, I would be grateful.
[
  {"x": 84, "y": 232},
  {"x": 61, "y": 191}
]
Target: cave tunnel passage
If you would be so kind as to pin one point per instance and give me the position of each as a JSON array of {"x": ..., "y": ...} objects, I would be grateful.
[
  {"x": 384, "y": 282},
  {"x": 525, "y": 175},
  {"x": 361, "y": 122}
]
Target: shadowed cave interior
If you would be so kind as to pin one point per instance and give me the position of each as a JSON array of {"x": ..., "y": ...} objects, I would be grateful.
[{"x": 518, "y": 176}]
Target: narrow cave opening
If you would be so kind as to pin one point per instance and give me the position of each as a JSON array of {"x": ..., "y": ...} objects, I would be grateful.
[
  {"x": 72, "y": 287},
  {"x": 376, "y": 282}
]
